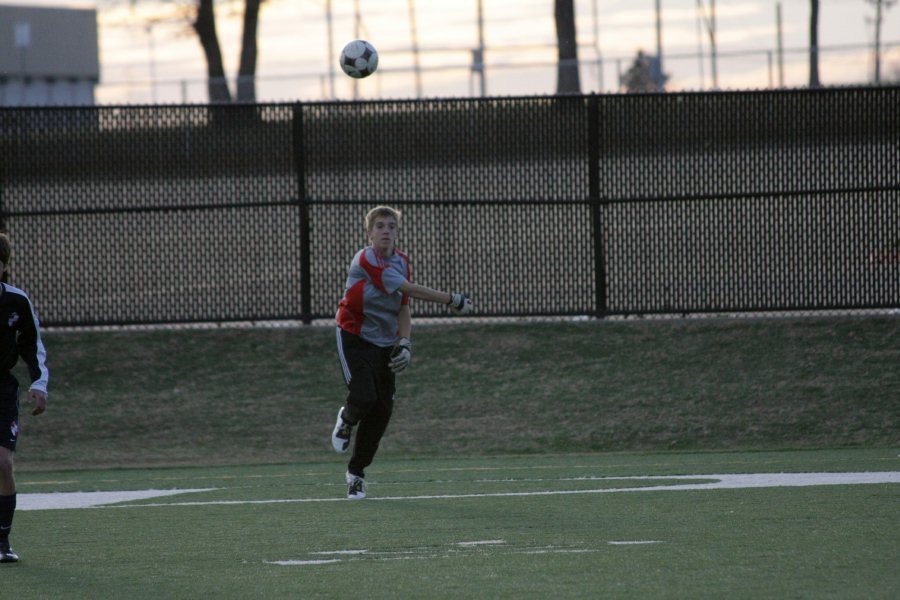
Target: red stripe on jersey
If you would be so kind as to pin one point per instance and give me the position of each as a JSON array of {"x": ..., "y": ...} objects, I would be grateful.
[{"x": 350, "y": 314}]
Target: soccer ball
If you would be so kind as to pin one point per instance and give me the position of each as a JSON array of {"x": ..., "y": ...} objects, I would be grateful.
[{"x": 359, "y": 59}]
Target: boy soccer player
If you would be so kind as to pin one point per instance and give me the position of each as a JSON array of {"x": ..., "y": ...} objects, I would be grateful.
[
  {"x": 374, "y": 325},
  {"x": 20, "y": 336}
]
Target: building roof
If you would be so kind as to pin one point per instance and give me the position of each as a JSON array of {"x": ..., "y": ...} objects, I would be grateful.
[{"x": 49, "y": 42}]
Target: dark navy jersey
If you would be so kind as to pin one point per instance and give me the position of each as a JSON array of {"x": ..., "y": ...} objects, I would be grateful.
[{"x": 20, "y": 336}]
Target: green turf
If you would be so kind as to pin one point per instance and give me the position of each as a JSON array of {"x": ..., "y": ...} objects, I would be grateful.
[
  {"x": 234, "y": 396},
  {"x": 484, "y": 410},
  {"x": 801, "y": 542}
]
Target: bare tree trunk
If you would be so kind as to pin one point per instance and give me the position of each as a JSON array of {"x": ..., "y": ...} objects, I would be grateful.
[
  {"x": 814, "y": 45},
  {"x": 246, "y": 85},
  {"x": 567, "y": 79},
  {"x": 878, "y": 5},
  {"x": 205, "y": 26}
]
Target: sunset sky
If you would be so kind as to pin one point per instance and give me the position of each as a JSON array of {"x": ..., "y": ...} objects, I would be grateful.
[{"x": 148, "y": 53}]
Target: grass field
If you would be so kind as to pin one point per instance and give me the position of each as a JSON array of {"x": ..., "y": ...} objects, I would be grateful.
[
  {"x": 549, "y": 526},
  {"x": 234, "y": 396},
  {"x": 517, "y": 465}
]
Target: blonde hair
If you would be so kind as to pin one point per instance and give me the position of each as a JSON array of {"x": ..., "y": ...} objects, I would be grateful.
[{"x": 381, "y": 211}]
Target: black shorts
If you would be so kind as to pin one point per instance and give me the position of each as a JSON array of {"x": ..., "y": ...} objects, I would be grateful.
[
  {"x": 367, "y": 373},
  {"x": 9, "y": 411}
]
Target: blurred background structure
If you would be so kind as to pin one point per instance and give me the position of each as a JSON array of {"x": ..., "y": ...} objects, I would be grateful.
[
  {"x": 197, "y": 51},
  {"x": 48, "y": 56}
]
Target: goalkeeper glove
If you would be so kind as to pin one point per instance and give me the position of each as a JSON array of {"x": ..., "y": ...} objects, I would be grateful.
[
  {"x": 400, "y": 355},
  {"x": 460, "y": 303}
]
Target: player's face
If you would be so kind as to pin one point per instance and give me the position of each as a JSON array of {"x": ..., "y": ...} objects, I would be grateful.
[{"x": 383, "y": 235}]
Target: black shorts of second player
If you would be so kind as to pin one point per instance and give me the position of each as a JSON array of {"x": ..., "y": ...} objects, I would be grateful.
[
  {"x": 368, "y": 375},
  {"x": 9, "y": 411}
]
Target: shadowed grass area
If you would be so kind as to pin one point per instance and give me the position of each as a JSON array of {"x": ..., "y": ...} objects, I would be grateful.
[{"x": 233, "y": 396}]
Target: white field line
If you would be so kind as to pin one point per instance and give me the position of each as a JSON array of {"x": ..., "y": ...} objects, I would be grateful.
[
  {"x": 634, "y": 543},
  {"x": 450, "y": 550},
  {"x": 482, "y": 543},
  {"x": 560, "y": 551},
  {"x": 720, "y": 482},
  {"x": 291, "y": 563},
  {"x": 763, "y": 480},
  {"x": 424, "y": 553},
  {"x": 62, "y": 500}
]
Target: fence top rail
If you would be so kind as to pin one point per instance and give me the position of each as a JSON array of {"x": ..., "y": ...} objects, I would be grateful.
[{"x": 824, "y": 90}]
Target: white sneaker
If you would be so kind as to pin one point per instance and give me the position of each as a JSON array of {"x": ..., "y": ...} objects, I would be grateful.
[
  {"x": 357, "y": 487},
  {"x": 340, "y": 436},
  {"x": 8, "y": 555}
]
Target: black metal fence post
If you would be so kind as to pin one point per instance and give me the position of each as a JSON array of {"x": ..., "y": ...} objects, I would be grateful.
[
  {"x": 596, "y": 204},
  {"x": 303, "y": 210}
]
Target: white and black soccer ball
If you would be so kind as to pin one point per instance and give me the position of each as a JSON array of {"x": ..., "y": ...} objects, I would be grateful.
[{"x": 359, "y": 59}]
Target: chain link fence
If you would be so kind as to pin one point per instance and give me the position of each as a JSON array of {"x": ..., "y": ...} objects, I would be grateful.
[{"x": 542, "y": 206}]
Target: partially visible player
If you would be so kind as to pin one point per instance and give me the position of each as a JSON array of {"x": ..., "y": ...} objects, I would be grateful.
[
  {"x": 373, "y": 339},
  {"x": 20, "y": 337}
]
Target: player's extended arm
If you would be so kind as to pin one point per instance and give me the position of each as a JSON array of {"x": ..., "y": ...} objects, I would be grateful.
[
  {"x": 457, "y": 301},
  {"x": 421, "y": 292}
]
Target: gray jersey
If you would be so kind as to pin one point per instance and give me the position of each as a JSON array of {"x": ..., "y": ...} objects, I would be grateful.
[{"x": 372, "y": 298}]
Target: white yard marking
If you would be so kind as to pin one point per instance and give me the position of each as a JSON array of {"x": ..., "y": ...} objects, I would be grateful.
[
  {"x": 62, "y": 500},
  {"x": 482, "y": 543},
  {"x": 634, "y": 543},
  {"x": 292, "y": 563},
  {"x": 710, "y": 482},
  {"x": 456, "y": 549},
  {"x": 559, "y": 551}
]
